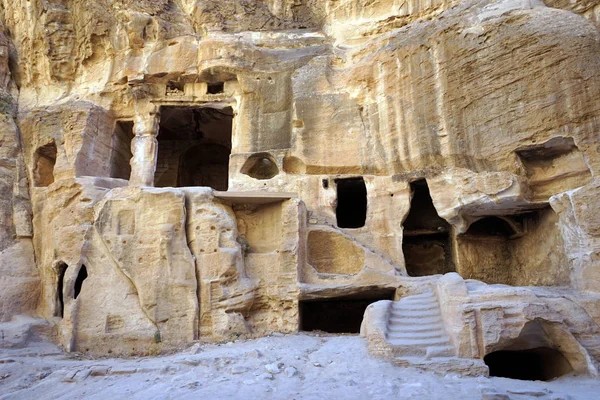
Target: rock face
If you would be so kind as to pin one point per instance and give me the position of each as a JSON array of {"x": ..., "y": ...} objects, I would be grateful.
[{"x": 181, "y": 170}]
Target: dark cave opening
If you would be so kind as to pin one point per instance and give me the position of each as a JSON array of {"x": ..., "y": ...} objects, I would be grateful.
[
  {"x": 81, "y": 276},
  {"x": 215, "y": 88},
  {"x": 194, "y": 145},
  {"x": 537, "y": 364},
  {"x": 426, "y": 242},
  {"x": 60, "y": 272},
  {"x": 351, "y": 210},
  {"x": 338, "y": 315},
  {"x": 121, "y": 150}
]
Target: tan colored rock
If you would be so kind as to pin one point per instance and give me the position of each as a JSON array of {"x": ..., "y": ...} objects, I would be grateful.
[{"x": 173, "y": 171}]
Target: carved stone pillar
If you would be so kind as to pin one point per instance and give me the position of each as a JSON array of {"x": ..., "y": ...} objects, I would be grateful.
[{"x": 144, "y": 146}]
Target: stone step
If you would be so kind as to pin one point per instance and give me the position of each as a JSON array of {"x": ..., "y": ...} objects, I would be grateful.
[
  {"x": 416, "y": 342},
  {"x": 414, "y": 320},
  {"x": 415, "y": 307},
  {"x": 440, "y": 351},
  {"x": 415, "y": 336},
  {"x": 415, "y": 313},
  {"x": 415, "y": 327},
  {"x": 423, "y": 297}
]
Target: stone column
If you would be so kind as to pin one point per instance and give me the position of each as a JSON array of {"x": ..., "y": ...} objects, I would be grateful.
[{"x": 144, "y": 146}]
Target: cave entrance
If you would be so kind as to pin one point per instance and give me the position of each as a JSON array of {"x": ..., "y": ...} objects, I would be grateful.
[
  {"x": 339, "y": 315},
  {"x": 533, "y": 355},
  {"x": 44, "y": 161},
  {"x": 538, "y": 364},
  {"x": 81, "y": 276},
  {"x": 351, "y": 210},
  {"x": 120, "y": 166},
  {"x": 60, "y": 282},
  {"x": 426, "y": 242},
  {"x": 194, "y": 145}
]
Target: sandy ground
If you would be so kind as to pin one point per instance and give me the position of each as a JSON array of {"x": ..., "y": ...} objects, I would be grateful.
[{"x": 277, "y": 367}]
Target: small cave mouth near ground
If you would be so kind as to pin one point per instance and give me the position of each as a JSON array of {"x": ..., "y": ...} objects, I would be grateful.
[
  {"x": 338, "y": 315},
  {"x": 351, "y": 210},
  {"x": 537, "y": 364},
  {"x": 426, "y": 241},
  {"x": 194, "y": 145},
  {"x": 81, "y": 276}
]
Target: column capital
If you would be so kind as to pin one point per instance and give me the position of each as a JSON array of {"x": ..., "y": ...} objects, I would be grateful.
[{"x": 146, "y": 123}]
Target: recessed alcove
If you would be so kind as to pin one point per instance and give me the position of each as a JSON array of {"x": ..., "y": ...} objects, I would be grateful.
[
  {"x": 44, "y": 161},
  {"x": 488, "y": 228},
  {"x": 81, "y": 276},
  {"x": 194, "y": 145},
  {"x": 538, "y": 364},
  {"x": 215, "y": 88},
  {"x": 260, "y": 166},
  {"x": 531, "y": 356},
  {"x": 524, "y": 249},
  {"x": 554, "y": 166},
  {"x": 61, "y": 268},
  {"x": 351, "y": 210},
  {"x": 120, "y": 166},
  {"x": 341, "y": 314},
  {"x": 426, "y": 236},
  {"x": 332, "y": 253}
]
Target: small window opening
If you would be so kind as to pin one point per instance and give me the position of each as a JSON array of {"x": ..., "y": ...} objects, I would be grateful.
[
  {"x": 338, "y": 315},
  {"x": 81, "y": 276},
  {"x": 426, "y": 241},
  {"x": 215, "y": 88},
  {"x": 325, "y": 183},
  {"x": 45, "y": 159},
  {"x": 351, "y": 210},
  {"x": 121, "y": 151},
  {"x": 60, "y": 271},
  {"x": 538, "y": 364}
]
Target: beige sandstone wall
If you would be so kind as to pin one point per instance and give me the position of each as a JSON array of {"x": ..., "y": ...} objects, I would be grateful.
[{"x": 495, "y": 104}]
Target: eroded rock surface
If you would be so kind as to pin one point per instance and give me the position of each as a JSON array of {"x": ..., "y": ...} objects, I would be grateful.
[{"x": 173, "y": 171}]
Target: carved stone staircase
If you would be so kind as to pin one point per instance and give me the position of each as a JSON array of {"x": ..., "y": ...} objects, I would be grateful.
[
  {"x": 411, "y": 333},
  {"x": 415, "y": 327}
]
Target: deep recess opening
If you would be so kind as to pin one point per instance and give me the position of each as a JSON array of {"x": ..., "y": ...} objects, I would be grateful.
[
  {"x": 338, "y": 315},
  {"x": 120, "y": 166},
  {"x": 537, "y": 364},
  {"x": 351, "y": 210},
  {"x": 81, "y": 276},
  {"x": 194, "y": 145},
  {"x": 491, "y": 226},
  {"x": 45, "y": 159},
  {"x": 60, "y": 271},
  {"x": 426, "y": 242},
  {"x": 215, "y": 88}
]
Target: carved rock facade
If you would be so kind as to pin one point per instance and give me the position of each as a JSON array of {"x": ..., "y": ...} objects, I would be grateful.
[{"x": 181, "y": 170}]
